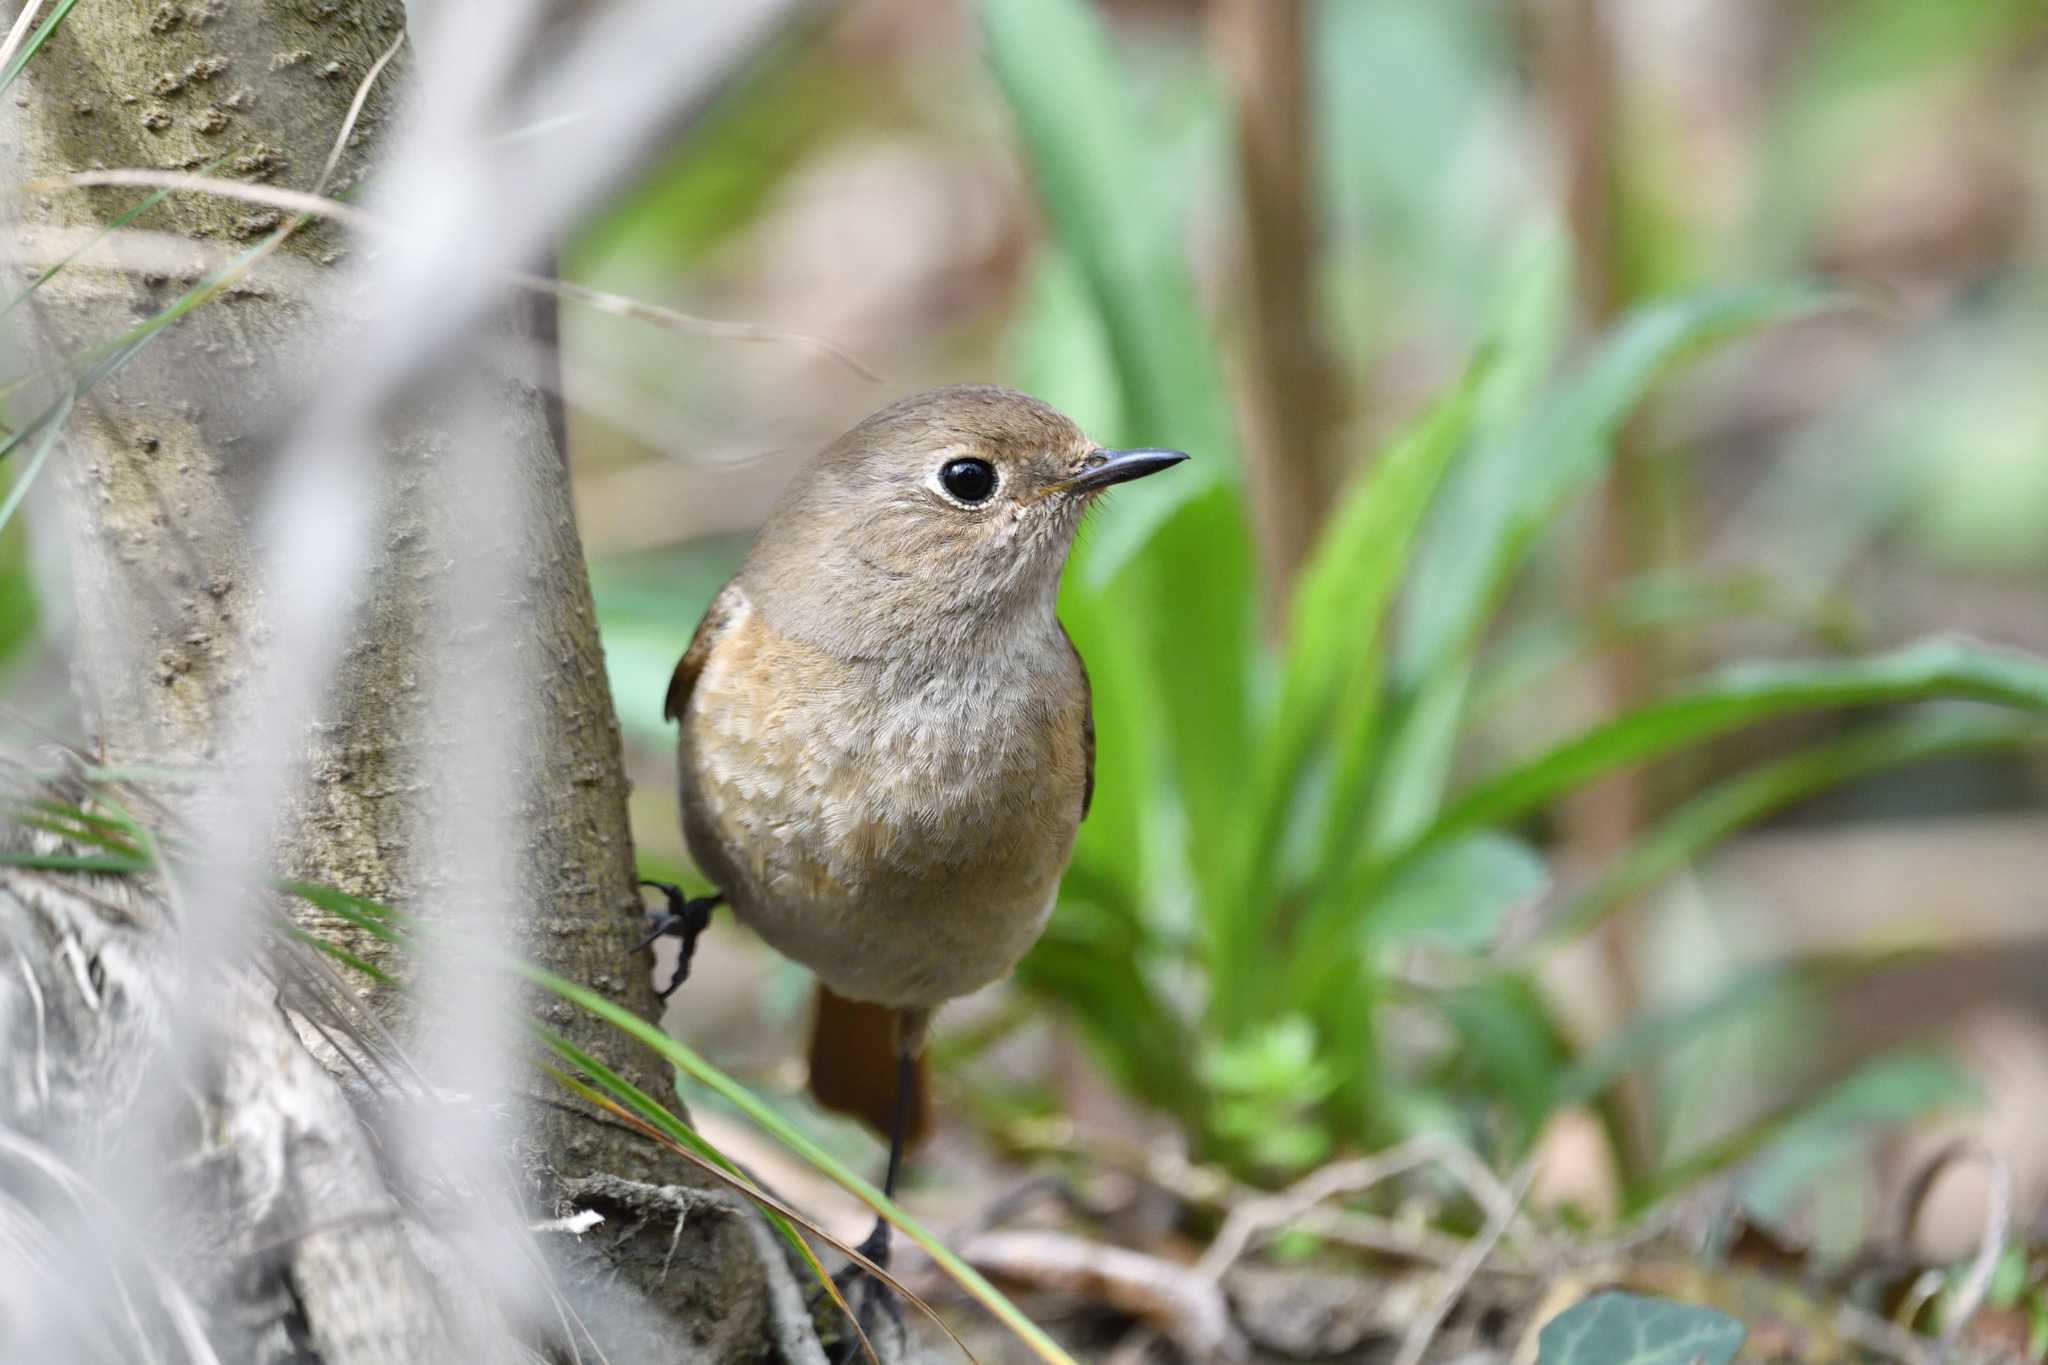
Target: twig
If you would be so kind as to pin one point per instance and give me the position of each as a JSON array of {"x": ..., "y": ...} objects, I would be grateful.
[
  {"x": 355, "y": 111},
  {"x": 319, "y": 206},
  {"x": 621, "y": 306},
  {"x": 1997, "y": 1222},
  {"x": 1874, "y": 1334},
  {"x": 1176, "y": 1300},
  {"x": 1256, "y": 1216},
  {"x": 35, "y": 992},
  {"x": 1209, "y": 1188},
  {"x": 1458, "y": 1278}
]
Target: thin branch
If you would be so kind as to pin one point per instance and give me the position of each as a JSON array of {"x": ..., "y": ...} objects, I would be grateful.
[
  {"x": 1422, "y": 1331},
  {"x": 355, "y": 111},
  {"x": 1256, "y": 1217},
  {"x": 1179, "y": 1302},
  {"x": 319, "y": 206},
  {"x": 622, "y": 306},
  {"x": 1976, "y": 1283}
]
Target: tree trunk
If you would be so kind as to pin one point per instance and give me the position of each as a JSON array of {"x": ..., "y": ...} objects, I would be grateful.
[{"x": 160, "y": 475}]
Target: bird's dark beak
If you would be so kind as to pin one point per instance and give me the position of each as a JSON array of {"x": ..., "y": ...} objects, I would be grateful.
[{"x": 1106, "y": 467}]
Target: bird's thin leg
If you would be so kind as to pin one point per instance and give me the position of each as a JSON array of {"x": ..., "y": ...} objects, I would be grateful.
[
  {"x": 875, "y": 1246},
  {"x": 684, "y": 920}
]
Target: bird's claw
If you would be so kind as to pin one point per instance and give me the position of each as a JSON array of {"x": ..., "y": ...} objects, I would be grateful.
[
  {"x": 683, "y": 920},
  {"x": 871, "y": 1300}
]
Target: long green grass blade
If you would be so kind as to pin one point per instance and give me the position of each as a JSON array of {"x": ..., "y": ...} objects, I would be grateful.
[
  {"x": 1935, "y": 669},
  {"x": 1744, "y": 799},
  {"x": 793, "y": 1138},
  {"x": 1331, "y": 673}
]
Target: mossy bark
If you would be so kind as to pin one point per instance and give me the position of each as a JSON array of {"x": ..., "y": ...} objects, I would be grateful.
[{"x": 164, "y": 464}]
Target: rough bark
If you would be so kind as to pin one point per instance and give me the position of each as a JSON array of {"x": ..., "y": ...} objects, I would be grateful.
[{"x": 160, "y": 470}]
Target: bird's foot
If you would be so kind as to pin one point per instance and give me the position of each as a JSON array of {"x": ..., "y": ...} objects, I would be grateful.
[
  {"x": 873, "y": 1302},
  {"x": 683, "y": 920}
]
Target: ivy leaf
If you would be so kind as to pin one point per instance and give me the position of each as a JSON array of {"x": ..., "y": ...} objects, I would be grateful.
[{"x": 1629, "y": 1329}]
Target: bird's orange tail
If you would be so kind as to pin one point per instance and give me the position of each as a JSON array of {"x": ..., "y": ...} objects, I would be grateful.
[{"x": 853, "y": 1064}]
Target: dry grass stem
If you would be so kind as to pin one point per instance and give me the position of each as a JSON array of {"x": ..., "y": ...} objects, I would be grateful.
[{"x": 317, "y": 205}]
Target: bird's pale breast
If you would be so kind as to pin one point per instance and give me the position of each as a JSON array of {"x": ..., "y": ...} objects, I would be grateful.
[{"x": 897, "y": 827}]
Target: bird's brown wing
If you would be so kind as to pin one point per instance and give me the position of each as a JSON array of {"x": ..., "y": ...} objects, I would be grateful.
[
  {"x": 718, "y": 618},
  {"x": 1087, "y": 725}
]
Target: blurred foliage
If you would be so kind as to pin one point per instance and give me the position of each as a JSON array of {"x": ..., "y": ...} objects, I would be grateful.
[
  {"x": 1276, "y": 826},
  {"x": 1292, "y": 816}
]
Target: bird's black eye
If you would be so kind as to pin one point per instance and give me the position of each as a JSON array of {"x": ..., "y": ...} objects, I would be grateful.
[{"x": 969, "y": 480}]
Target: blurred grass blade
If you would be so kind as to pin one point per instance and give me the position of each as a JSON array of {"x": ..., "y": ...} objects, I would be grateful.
[
  {"x": 1891, "y": 1089},
  {"x": 1088, "y": 155},
  {"x": 1499, "y": 500},
  {"x": 1743, "y": 695},
  {"x": 1189, "y": 597},
  {"x": 1508, "y": 492},
  {"x": 1459, "y": 894},
  {"x": 46, "y": 441},
  {"x": 793, "y": 1138},
  {"x": 1660, "y": 602},
  {"x": 1744, "y": 799},
  {"x": 1649, "y": 1038},
  {"x": 1332, "y": 661},
  {"x": 73, "y": 862},
  {"x": 35, "y": 40},
  {"x": 1341, "y": 607},
  {"x": 114, "y": 225}
]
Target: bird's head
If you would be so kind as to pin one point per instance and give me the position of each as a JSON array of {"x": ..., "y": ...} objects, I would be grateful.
[{"x": 947, "y": 512}]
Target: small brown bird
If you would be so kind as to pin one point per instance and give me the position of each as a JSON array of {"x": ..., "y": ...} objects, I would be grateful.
[{"x": 886, "y": 741}]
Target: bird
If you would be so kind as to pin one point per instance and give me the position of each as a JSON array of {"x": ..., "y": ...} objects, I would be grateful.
[{"x": 886, "y": 744}]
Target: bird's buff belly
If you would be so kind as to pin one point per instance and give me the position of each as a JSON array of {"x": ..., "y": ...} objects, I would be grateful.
[{"x": 906, "y": 872}]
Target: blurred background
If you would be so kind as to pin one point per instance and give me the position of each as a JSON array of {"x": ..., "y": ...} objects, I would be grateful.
[
  {"x": 1320, "y": 214},
  {"x": 1539, "y": 358}
]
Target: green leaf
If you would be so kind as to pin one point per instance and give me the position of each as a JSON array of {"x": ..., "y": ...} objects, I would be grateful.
[
  {"x": 1457, "y": 894},
  {"x": 1335, "y": 654},
  {"x": 1616, "y": 1328},
  {"x": 1657, "y": 602},
  {"x": 1888, "y": 1090},
  {"x": 1331, "y": 671},
  {"x": 1501, "y": 498},
  {"x": 1513, "y": 1044},
  {"x": 1742, "y": 800},
  {"x": 1660, "y": 1032},
  {"x": 1743, "y": 695}
]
